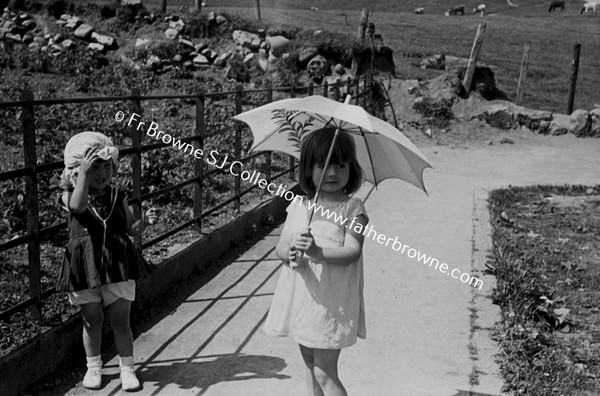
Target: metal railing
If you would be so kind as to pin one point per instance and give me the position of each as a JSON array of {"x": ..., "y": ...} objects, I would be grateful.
[{"x": 31, "y": 169}]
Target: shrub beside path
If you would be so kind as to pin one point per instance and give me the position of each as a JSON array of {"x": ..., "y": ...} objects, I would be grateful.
[{"x": 419, "y": 321}]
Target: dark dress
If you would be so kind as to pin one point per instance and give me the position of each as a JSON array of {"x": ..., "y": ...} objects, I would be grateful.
[{"x": 94, "y": 257}]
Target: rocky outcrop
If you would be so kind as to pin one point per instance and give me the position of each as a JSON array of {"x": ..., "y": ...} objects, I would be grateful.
[
  {"x": 506, "y": 115},
  {"x": 84, "y": 31},
  {"x": 436, "y": 62},
  {"x": 21, "y": 28},
  {"x": 559, "y": 125},
  {"x": 595, "y": 122},
  {"x": 580, "y": 123}
]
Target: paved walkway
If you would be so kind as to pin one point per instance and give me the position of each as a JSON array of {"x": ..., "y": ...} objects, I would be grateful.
[{"x": 420, "y": 340}]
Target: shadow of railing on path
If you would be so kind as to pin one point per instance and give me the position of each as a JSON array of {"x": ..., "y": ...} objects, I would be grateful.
[{"x": 188, "y": 373}]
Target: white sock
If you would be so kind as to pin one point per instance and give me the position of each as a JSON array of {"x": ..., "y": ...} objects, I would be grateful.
[
  {"x": 94, "y": 361},
  {"x": 126, "y": 361}
]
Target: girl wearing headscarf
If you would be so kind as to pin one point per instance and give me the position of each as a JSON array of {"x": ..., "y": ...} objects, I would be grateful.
[{"x": 101, "y": 263}]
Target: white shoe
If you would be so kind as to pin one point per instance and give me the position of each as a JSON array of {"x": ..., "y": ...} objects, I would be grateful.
[
  {"x": 93, "y": 378},
  {"x": 129, "y": 381}
]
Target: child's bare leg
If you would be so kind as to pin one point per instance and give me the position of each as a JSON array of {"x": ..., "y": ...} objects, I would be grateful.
[
  {"x": 313, "y": 387},
  {"x": 326, "y": 372},
  {"x": 118, "y": 316},
  {"x": 92, "y": 328}
]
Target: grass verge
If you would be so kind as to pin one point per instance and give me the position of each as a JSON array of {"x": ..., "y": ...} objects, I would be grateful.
[{"x": 546, "y": 245}]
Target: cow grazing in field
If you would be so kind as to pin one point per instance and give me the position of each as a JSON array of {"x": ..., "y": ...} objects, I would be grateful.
[
  {"x": 419, "y": 10},
  {"x": 456, "y": 10},
  {"x": 557, "y": 4},
  {"x": 479, "y": 9},
  {"x": 590, "y": 7}
]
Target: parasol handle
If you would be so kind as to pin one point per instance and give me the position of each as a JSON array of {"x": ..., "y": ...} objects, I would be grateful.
[{"x": 295, "y": 263}]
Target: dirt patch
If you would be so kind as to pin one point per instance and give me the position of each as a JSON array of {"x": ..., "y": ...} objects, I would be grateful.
[{"x": 565, "y": 201}]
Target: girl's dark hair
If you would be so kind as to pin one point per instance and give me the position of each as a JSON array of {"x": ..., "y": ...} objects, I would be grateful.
[{"x": 314, "y": 151}]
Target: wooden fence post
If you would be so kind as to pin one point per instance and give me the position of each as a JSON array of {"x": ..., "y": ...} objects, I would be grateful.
[
  {"x": 336, "y": 90},
  {"x": 364, "y": 19},
  {"x": 198, "y": 163},
  {"x": 31, "y": 202},
  {"x": 522, "y": 74},
  {"x": 136, "y": 163},
  {"x": 257, "y": 6},
  {"x": 574, "y": 72},
  {"x": 238, "y": 146},
  {"x": 325, "y": 89},
  {"x": 468, "y": 79},
  {"x": 357, "y": 84},
  {"x": 310, "y": 88}
]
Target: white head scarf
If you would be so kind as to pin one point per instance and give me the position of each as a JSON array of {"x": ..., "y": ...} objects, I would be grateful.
[{"x": 76, "y": 148}]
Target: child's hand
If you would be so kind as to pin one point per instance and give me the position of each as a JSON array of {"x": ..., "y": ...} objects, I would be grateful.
[
  {"x": 151, "y": 217},
  {"x": 90, "y": 155},
  {"x": 305, "y": 242},
  {"x": 292, "y": 255}
]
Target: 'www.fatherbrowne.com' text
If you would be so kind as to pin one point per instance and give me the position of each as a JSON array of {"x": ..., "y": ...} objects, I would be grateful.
[
  {"x": 369, "y": 232},
  {"x": 254, "y": 177}
]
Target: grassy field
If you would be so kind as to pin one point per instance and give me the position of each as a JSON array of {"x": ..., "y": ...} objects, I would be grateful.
[{"x": 551, "y": 36}]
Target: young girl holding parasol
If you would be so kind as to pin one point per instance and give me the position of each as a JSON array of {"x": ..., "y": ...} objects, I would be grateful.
[{"x": 319, "y": 296}]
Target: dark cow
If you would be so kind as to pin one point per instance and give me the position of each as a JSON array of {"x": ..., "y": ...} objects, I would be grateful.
[
  {"x": 557, "y": 4},
  {"x": 456, "y": 10}
]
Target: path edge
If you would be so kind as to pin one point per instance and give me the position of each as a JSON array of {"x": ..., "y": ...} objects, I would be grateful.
[{"x": 484, "y": 314}]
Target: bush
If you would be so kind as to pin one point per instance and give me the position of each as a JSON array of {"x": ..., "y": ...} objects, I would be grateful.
[
  {"x": 108, "y": 11},
  {"x": 198, "y": 26},
  {"x": 165, "y": 49},
  {"x": 333, "y": 46},
  {"x": 437, "y": 113},
  {"x": 19, "y": 57},
  {"x": 58, "y": 7}
]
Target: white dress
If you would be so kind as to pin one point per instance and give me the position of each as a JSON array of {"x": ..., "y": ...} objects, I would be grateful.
[{"x": 320, "y": 305}]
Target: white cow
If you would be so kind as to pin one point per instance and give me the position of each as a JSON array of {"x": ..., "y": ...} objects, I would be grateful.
[
  {"x": 479, "y": 9},
  {"x": 419, "y": 10},
  {"x": 590, "y": 7}
]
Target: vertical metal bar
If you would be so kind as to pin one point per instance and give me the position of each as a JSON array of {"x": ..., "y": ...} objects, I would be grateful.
[
  {"x": 574, "y": 72},
  {"x": 336, "y": 90},
  {"x": 325, "y": 89},
  {"x": 310, "y": 88},
  {"x": 371, "y": 87},
  {"x": 268, "y": 154},
  {"x": 365, "y": 88},
  {"x": 292, "y": 159},
  {"x": 198, "y": 162},
  {"x": 136, "y": 163},
  {"x": 31, "y": 200},
  {"x": 357, "y": 90},
  {"x": 238, "y": 146},
  {"x": 349, "y": 87}
]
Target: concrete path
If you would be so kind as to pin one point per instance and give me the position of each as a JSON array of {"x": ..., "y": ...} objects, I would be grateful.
[{"x": 419, "y": 320}]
